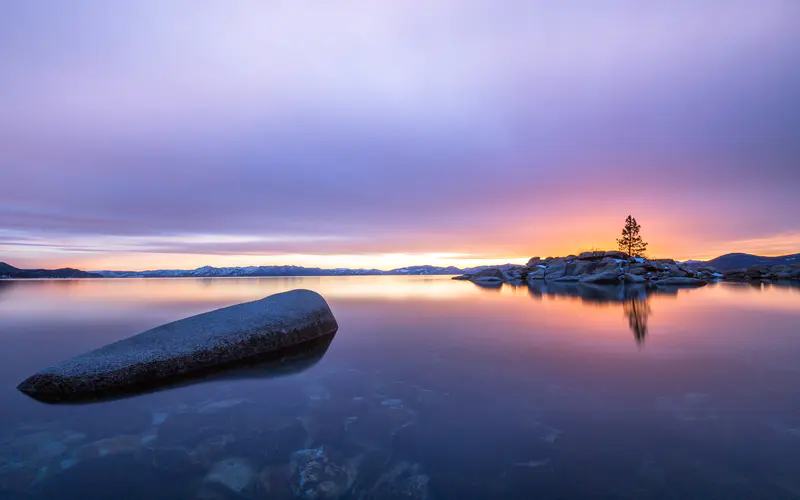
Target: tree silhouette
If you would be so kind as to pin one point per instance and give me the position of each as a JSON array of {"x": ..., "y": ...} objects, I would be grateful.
[{"x": 630, "y": 242}]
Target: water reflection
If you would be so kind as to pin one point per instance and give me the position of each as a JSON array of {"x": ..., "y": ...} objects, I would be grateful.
[
  {"x": 637, "y": 309},
  {"x": 394, "y": 410},
  {"x": 5, "y": 287},
  {"x": 489, "y": 286},
  {"x": 633, "y": 298}
]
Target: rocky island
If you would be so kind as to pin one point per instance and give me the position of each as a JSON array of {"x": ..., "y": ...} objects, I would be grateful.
[
  {"x": 615, "y": 267},
  {"x": 217, "y": 338}
]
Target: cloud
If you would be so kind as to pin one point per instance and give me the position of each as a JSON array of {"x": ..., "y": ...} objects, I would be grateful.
[{"x": 352, "y": 127}]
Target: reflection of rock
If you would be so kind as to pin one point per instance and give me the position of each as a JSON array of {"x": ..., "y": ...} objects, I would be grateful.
[
  {"x": 5, "y": 286},
  {"x": 318, "y": 473},
  {"x": 207, "y": 341},
  {"x": 588, "y": 293},
  {"x": 632, "y": 297},
  {"x": 489, "y": 285},
  {"x": 680, "y": 281}
]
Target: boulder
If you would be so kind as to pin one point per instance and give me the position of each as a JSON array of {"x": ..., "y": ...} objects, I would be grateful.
[
  {"x": 632, "y": 278},
  {"x": 617, "y": 255},
  {"x": 757, "y": 271},
  {"x": 680, "y": 281},
  {"x": 534, "y": 261},
  {"x": 555, "y": 268},
  {"x": 489, "y": 274},
  {"x": 788, "y": 274},
  {"x": 537, "y": 274},
  {"x": 606, "y": 278},
  {"x": 606, "y": 264},
  {"x": 638, "y": 269},
  {"x": 591, "y": 255},
  {"x": 195, "y": 344},
  {"x": 569, "y": 278},
  {"x": 662, "y": 261}
]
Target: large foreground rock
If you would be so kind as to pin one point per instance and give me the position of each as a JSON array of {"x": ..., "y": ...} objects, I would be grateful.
[{"x": 194, "y": 344}]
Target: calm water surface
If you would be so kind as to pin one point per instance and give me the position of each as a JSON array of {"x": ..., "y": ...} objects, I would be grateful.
[{"x": 432, "y": 388}]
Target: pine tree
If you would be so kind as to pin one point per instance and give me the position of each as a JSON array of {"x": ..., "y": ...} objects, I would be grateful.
[{"x": 631, "y": 243}]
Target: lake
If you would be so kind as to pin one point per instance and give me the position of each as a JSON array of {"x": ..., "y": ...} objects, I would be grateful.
[{"x": 432, "y": 388}]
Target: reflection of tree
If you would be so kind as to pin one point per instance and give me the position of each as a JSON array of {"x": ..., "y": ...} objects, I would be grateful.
[{"x": 637, "y": 309}]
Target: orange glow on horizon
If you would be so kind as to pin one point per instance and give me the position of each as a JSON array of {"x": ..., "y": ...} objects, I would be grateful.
[{"x": 558, "y": 236}]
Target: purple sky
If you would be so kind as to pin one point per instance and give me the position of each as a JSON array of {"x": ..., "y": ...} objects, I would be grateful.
[{"x": 181, "y": 133}]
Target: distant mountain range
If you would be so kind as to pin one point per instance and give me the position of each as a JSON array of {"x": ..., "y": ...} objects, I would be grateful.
[
  {"x": 220, "y": 272},
  {"x": 7, "y": 271},
  {"x": 733, "y": 261},
  {"x": 726, "y": 262}
]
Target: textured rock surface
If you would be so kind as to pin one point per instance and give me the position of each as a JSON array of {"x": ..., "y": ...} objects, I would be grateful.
[
  {"x": 192, "y": 344},
  {"x": 597, "y": 267}
]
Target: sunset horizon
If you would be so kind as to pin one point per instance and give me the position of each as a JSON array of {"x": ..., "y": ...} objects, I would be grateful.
[
  {"x": 408, "y": 134},
  {"x": 123, "y": 261},
  {"x": 399, "y": 250}
]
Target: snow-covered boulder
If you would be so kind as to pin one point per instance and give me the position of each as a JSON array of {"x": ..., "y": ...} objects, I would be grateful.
[{"x": 209, "y": 340}]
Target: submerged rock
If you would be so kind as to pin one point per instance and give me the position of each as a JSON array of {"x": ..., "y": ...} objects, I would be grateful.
[
  {"x": 206, "y": 341},
  {"x": 316, "y": 474},
  {"x": 234, "y": 473},
  {"x": 404, "y": 481}
]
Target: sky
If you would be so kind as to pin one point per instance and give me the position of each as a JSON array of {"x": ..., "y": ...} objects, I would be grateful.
[{"x": 175, "y": 134}]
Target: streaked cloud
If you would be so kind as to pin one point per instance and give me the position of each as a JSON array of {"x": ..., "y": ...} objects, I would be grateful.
[{"x": 256, "y": 131}]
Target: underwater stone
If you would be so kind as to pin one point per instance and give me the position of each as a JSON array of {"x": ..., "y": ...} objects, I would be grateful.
[
  {"x": 316, "y": 475},
  {"x": 234, "y": 473},
  {"x": 193, "y": 344}
]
